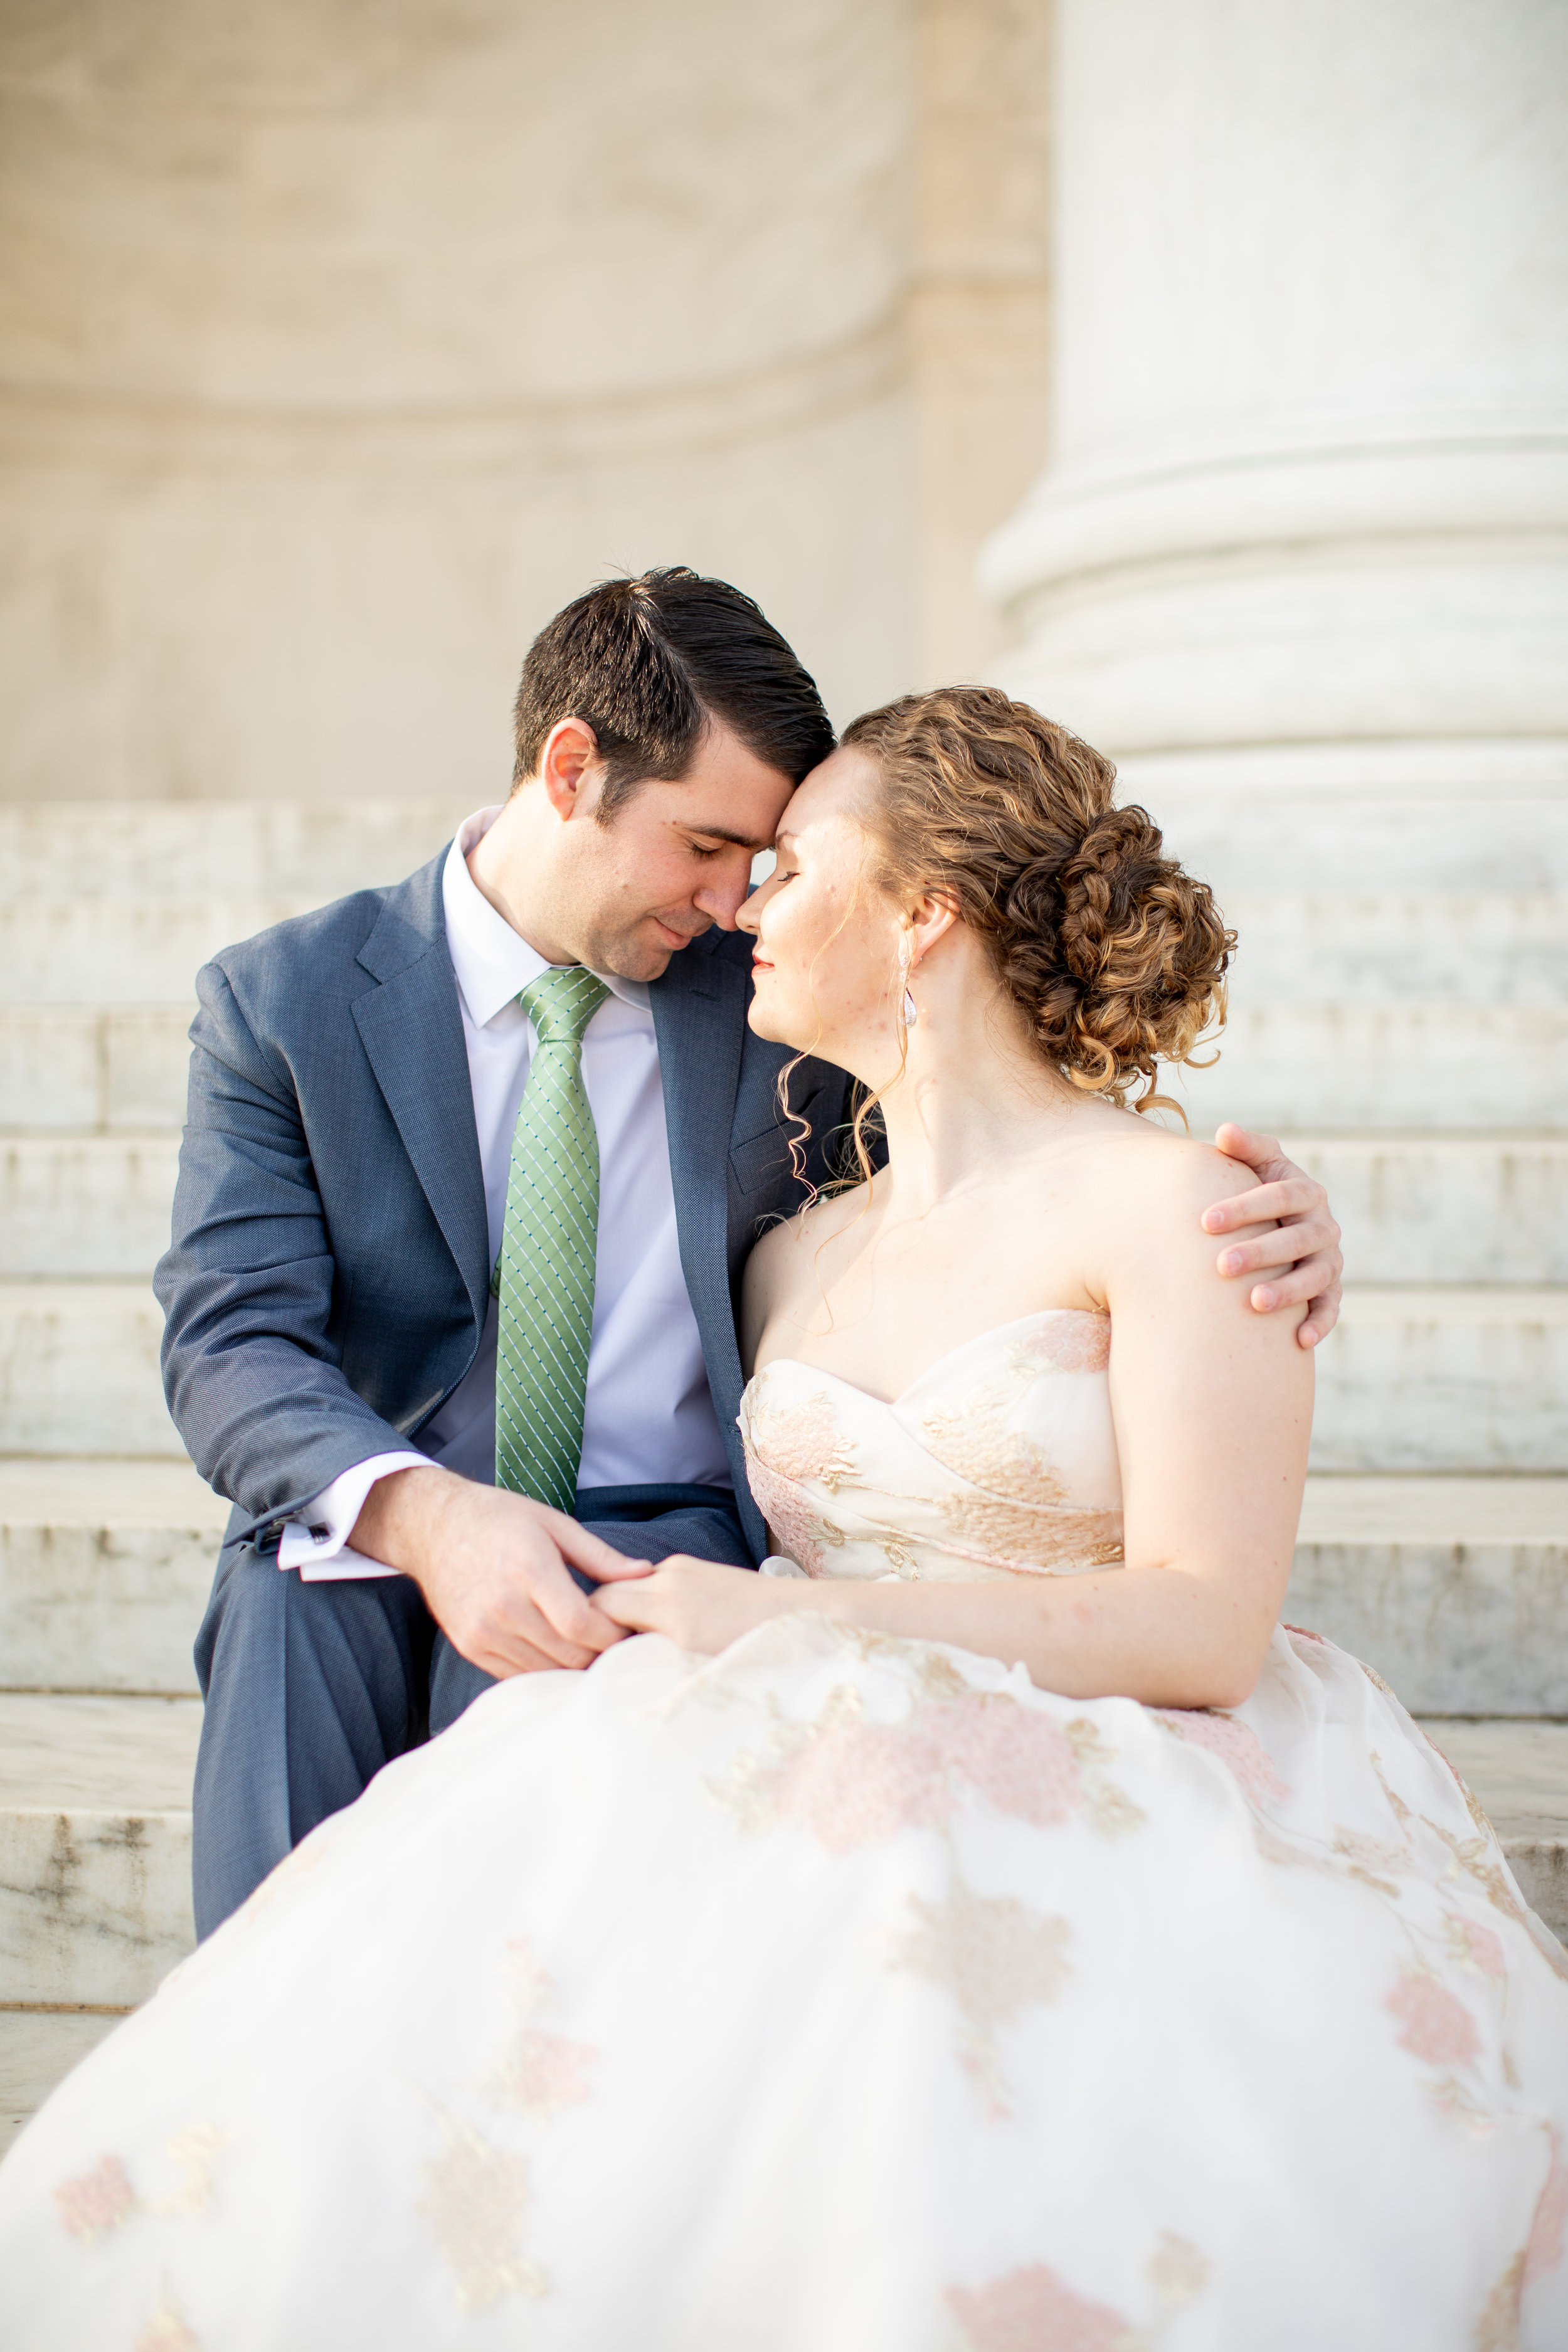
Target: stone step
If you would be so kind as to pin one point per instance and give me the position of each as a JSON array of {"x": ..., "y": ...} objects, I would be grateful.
[
  {"x": 1417, "y": 1379},
  {"x": 1414, "y": 1379},
  {"x": 1343, "y": 946},
  {"x": 1455, "y": 1589},
  {"x": 95, "y": 1838},
  {"x": 79, "y": 1370},
  {"x": 1445, "y": 1208},
  {"x": 1296, "y": 948},
  {"x": 104, "y": 1572},
  {"x": 114, "y": 951},
  {"x": 39, "y": 2048},
  {"x": 1242, "y": 842},
  {"x": 66, "y": 1067},
  {"x": 306, "y": 851},
  {"x": 85, "y": 1204},
  {"x": 1381, "y": 1067},
  {"x": 1455, "y": 1208},
  {"x": 94, "y": 1857}
]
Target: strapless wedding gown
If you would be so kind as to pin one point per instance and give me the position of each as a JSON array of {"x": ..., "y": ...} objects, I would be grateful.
[{"x": 848, "y": 1994}]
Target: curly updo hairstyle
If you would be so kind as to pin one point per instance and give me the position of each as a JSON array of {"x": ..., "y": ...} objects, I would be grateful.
[{"x": 1114, "y": 954}]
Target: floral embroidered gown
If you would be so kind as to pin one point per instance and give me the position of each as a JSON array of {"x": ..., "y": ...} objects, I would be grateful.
[{"x": 848, "y": 1994}]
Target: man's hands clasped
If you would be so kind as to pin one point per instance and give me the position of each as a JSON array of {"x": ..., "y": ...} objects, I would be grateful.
[{"x": 495, "y": 1569}]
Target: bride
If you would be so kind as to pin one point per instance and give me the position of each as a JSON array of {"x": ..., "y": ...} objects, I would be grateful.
[{"x": 987, "y": 1931}]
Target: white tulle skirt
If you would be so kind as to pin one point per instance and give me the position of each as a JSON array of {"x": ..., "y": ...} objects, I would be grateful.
[{"x": 840, "y": 1994}]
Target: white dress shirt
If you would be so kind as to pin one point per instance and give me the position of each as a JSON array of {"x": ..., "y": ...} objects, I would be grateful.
[{"x": 649, "y": 1417}]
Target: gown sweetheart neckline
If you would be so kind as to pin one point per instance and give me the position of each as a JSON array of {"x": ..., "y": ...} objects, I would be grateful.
[{"x": 964, "y": 1347}]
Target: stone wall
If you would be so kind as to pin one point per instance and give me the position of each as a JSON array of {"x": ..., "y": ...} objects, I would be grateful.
[{"x": 344, "y": 342}]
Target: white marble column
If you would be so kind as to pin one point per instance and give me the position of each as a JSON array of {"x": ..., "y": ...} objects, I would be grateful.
[
  {"x": 1310, "y": 474},
  {"x": 1298, "y": 564}
]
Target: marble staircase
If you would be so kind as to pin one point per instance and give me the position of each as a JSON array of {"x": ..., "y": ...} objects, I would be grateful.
[{"x": 1410, "y": 1041}]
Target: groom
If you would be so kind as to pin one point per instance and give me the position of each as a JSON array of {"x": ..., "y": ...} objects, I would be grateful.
[{"x": 471, "y": 1168}]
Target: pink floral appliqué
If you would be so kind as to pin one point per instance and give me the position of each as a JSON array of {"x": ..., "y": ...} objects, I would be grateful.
[
  {"x": 1071, "y": 1341},
  {"x": 540, "y": 2071},
  {"x": 1543, "y": 2249},
  {"x": 797, "y": 1528},
  {"x": 1438, "y": 2028},
  {"x": 1030, "y": 2310},
  {"x": 94, "y": 2203},
  {"x": 1237, "y": 1747},
  {"x": 858, "y": 1782},
  {"x": 1476, "y": 1946},
  {"x": 802, "y": 1442}
]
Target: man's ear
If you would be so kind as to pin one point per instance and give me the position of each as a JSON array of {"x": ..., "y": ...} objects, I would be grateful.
[{"x": 570, "y": 749}]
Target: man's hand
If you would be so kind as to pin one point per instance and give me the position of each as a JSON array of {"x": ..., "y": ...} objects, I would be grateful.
[
  {"x": 495, "y": 1569},
  {"x": 1300, "y": 1207},
  {"x": 697, "y": 1604}
]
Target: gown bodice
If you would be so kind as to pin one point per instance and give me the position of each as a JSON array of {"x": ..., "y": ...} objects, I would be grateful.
[{"x": 999, "y": 1460}]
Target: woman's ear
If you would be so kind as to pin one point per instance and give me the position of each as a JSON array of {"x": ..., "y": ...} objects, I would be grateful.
[{"x": 931, "y": 918}]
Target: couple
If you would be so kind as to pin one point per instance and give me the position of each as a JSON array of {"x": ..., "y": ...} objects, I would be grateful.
[{"x": 984, "y": 1930}]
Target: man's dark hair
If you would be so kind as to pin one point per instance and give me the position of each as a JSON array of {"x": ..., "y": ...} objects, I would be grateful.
[{"x": 647, "y": 663}]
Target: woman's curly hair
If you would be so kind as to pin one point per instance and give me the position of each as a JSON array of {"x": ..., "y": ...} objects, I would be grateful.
[{"x": 1116, "y": 956}]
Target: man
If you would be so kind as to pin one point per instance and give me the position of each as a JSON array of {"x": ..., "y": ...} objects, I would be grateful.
[{"x": 471, "y": 1169}]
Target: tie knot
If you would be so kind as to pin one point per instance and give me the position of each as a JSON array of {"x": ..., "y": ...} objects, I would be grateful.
[{"x": 561, "y": 1001}]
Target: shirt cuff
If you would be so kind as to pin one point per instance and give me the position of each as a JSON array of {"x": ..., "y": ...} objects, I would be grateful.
[{"x": 318, "y": 1545}]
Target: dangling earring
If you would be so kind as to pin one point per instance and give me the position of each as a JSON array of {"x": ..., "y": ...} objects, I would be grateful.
[{"x": 906, "y": 965}]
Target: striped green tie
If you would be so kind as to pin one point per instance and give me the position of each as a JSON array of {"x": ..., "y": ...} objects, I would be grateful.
[{"x": 544, "y": 1277}]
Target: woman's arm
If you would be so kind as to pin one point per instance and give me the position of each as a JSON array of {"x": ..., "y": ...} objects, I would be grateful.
[{"x": 1213, "y": 1411}]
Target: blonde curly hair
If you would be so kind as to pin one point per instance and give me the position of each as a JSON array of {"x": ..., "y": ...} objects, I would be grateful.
[{"x": 1116, "y": 956}]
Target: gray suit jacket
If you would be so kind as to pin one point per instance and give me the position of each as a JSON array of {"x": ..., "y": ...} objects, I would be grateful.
[{"x": 326, "y": 1285}]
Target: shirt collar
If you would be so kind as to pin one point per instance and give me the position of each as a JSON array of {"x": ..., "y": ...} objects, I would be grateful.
[{"x": 493, "y": 963}]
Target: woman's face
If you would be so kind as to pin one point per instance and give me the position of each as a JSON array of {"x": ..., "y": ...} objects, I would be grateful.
[{"x": 826, "y": 961}]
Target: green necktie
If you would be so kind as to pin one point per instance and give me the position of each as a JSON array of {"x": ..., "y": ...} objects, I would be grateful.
[{"x": 544, "y": 1275}]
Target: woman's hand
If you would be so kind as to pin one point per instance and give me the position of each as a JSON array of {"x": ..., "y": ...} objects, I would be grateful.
[{"x": 697, "y": 1604}]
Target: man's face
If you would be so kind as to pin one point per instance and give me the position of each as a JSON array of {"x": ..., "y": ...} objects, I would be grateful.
[{"x": 675, "y": 859}]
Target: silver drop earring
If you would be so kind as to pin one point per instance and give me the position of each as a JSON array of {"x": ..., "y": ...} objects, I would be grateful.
[{"x": 906, "y": 965}]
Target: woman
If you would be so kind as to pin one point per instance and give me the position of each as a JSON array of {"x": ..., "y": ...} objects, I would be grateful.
[{"x": 989, "y": 1929}]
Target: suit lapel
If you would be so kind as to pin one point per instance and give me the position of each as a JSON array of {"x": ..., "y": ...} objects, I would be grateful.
[
  {"x": 698, "y": 1018},
  {"x": 412, "y": 1030}
]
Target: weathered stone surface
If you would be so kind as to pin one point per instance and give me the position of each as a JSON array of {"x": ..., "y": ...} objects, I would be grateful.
[
  {"x": 1445, "y": 1208},
  {"x": 1455, "y": 1589},
  {"x": 72, "y": 1067},
  {"x": 1382, "y": 1067},
  {"x": 113, "y": 951},
  {"x": 95, "y": 1900},
  {"x": 85, "y": 1204},
  {"x": 104, "y": 1572},
  {"x": 1351, "y": 946},
  {"x": 307, "y": 851},
  {"x": 39, "y": 2048},
  {"x": 79, "y": 1369},
  {"x": 1443, "y": 1379}
]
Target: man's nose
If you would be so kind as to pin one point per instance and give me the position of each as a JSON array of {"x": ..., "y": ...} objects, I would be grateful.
[{"x": 724, "y": 899}]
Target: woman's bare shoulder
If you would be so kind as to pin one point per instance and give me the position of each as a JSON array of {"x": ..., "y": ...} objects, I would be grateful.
[{"x": 1154, "y": 1184}]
